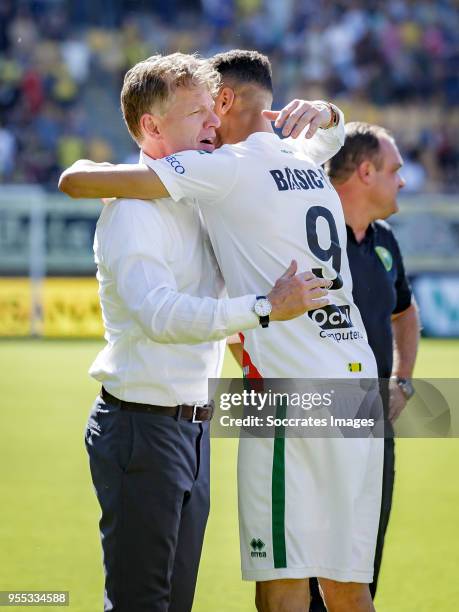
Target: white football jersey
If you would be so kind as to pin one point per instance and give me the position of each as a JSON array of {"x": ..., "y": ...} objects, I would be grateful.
[{"x": 265, "y": 203}]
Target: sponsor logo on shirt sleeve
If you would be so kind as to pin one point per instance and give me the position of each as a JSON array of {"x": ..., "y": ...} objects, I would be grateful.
[{"x": 175, "y": 163}]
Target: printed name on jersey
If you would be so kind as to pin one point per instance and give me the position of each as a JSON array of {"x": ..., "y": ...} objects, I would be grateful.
[
  {"x": 289, "y": 179},
  {"x": 332, "y": 318}
]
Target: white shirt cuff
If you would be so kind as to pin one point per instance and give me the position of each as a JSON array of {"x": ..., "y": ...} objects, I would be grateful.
[{"x": 240, "y": 314}]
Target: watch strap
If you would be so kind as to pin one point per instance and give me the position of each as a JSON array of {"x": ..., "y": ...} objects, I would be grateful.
[{"x": 264, "y": 320}]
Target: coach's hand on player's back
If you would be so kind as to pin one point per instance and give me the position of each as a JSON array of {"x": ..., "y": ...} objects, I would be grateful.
[{"x": 294, "y": 294}]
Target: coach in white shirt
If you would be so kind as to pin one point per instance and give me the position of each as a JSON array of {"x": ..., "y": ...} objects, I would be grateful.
[{"x": 163, "y": 311}]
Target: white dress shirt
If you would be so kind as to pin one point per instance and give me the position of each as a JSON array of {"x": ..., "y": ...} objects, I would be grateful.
[{"x": 161, "y": 296}]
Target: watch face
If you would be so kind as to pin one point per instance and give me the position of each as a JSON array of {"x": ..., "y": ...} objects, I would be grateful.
[
  {"x": 263, "y": 307},
  {"x": 406, "y": 386}
]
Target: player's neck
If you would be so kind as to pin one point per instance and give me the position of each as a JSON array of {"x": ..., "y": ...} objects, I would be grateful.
[
  {"x": 253, "y": 118},
  {"x": 249, "y": 122},
  {"x": 247, "y": 108}
]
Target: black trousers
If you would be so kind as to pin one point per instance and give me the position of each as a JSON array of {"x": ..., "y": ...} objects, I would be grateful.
[
  {"x": 317, "y": 604},
  {"x": 151, "y": 476}
]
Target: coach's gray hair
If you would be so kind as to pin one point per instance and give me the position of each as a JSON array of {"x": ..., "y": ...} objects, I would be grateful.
[{"x": 361, "y": 144}]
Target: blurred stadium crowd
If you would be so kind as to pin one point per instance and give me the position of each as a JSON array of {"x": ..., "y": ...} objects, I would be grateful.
[{"x": 391, "y": 61}]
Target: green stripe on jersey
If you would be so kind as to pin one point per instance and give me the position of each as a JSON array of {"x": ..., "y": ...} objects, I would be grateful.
[{"x": 278, "y": 492}]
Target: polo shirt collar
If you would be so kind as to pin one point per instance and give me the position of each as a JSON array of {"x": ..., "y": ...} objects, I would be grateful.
[{"x": 368, "y": 234}]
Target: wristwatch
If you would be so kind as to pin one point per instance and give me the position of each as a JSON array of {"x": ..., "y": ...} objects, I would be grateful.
[
  {"x": 334, "y": 116},
  {"x": 262, "y": 309},
  {"x": 405, "y": 386}
]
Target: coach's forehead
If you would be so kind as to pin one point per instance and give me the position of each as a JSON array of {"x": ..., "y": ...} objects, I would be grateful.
[
  {"x": 190, "y": 97},
  {"x": 389, "y": 150}
]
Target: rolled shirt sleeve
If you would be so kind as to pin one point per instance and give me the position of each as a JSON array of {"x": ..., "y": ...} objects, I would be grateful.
[{"x": 136, "y": 256}]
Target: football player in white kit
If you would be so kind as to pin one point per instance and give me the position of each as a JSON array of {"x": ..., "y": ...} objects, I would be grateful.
[{"x": 311, "y": 505}]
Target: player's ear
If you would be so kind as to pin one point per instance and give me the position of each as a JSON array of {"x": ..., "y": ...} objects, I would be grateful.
[
  {"x": 150, "y": 125},
  {"x": 224, "y": 101},
  {"x": 365, "y": 171}
]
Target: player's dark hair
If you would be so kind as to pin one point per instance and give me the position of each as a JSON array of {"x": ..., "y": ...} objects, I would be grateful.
[
  {"x": 244, "y": 67},
  {"x": 361, "y": 144}
]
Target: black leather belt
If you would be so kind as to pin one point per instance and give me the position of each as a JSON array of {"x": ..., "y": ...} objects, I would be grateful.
[{"x": 196, "y": 413}]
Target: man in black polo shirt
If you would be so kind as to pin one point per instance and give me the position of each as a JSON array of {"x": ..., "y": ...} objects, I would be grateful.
[{"x": 365, "y": 173}]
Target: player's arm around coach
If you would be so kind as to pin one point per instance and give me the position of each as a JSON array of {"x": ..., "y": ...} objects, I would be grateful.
[{"x": 304, "y": 121}]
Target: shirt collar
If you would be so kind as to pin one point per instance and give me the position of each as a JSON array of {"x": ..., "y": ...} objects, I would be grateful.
[
  {"x": 368, "y": 234},
  {"x": 144, "y": 158}
]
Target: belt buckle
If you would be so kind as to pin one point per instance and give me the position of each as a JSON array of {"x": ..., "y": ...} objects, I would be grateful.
[{"x": 195, "y": 407}]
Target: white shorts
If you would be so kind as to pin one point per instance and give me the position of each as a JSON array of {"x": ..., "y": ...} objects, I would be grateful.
[{"x": 309, "y": 507}]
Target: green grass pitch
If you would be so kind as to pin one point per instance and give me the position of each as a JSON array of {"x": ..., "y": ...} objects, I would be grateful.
[{"x": 48, "y": 512}]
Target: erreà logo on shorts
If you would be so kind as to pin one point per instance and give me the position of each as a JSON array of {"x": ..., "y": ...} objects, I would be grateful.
[
  {"x": 332, "y": 316},
  {"x": 257, "y": 546},
  {"x": 174, "y": 162}
]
